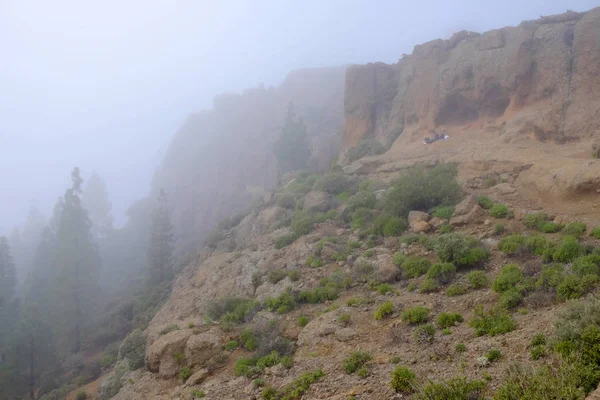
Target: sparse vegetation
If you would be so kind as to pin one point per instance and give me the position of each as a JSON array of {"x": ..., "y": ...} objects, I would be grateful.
[
  {"x": 460, "y": 348},
  {"x": 447, "y": 320},
  {"x": 453, "y": 389},
  {"x": 575, "y": 228},
  {"x": 276, "y": 276},
  {"x": 493, "y": 355},
  {"x": 460, "y": 250},
  {"x": 424, "y": 334},
  {"x": 595, "y": 232},
  {"x": 485, "y": 202},
  {"x": 296, "y": 389},
  {"x": 403, "y": 380},
  {"x": 494, "y": 322},
  {"x": 303, "y": 321},
  {"x": 498, "y": 210},
  {"x": 384, "y": 288},
  {"x": 231, "y": 345}
]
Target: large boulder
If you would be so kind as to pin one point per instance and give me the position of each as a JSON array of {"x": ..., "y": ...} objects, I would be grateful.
[
  {"x": 317, "y": 201},
  {"x": 160, "y": 354},
  {"x": 200, "y": 349},
  {"x": 415, "y": 217},
  {"x": 386, "y": 269}
]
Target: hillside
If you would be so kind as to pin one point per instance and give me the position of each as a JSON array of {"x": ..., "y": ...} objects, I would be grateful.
[{"x": 472, "y": 275}]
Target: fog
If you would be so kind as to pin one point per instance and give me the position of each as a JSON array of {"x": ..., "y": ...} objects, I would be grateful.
[{"x": 104, "y": 85}]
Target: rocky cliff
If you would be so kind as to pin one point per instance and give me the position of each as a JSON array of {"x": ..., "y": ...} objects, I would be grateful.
[
  {"x": 539, "y": 78},
  {"x": 222, "y": 159}
]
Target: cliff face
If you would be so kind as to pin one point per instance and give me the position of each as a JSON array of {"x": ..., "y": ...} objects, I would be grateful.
[
  {"x": 221, "y": 160},
  {"x": 541, "y": 78}
]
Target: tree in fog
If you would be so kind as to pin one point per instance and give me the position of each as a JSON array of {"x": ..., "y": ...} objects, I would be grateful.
[
  {"x": 8, "y": 313},
  {"x": 8, "y": 274},
  {"x": 160, "y": 250},
  {"x": 24, "y": 242},
  {"x": 292, "y": 148},
  {"x": 76, "y": 264},
  {"x": 96, "y": 202}
]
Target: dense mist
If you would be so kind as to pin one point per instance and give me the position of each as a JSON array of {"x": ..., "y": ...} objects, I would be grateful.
[{"x": 130, "y": 130}]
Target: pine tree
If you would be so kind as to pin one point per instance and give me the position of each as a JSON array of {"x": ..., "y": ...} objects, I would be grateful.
[
  {"x": 8, "y": 274},
  {"x": 96, "y": 202},
  {"x": 292, "y": 148},
  {"x": 160, "y": 250},
  {"x": 77, "y": 264}
]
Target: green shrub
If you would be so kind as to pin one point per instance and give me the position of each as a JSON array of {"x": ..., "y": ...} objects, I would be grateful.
[
  {"x": 369, "y": 253},
  {"x": 302, "y": 321},
  {"x": 510, "y": 276},
  {"x": 282, "y": 304},
  {"x": 296, "y": 389},
  {"x": 363, "y": 199},
  {"x": 535, "y": 220},
  {"x": 398, "y": 258},
  {"x": 395, "y": 360},
  {"x": 443, "y": 212},
  {"x": 511, "y": 298},
  {"x": 344, "y": 196},
  {"x": 477, "y": 279},
  {"x": 540, "y": 246},
  {"x": 574, "y": 287},
  {"x": 403, "y": 380},
  {"x": 392, "y": 226},
  {"x": 485, "y": 202},
  {"x": 551, "y": 276},
  {"x": 460, "y": 348},
  {"x": 429, "y": 286},
  {"x": 595, "y": 232},
  {"x": 460, "y": 250},
  {"x": 343, "y": 319},
  {"x": 499, "y": 210},
  {"x": 499, "y": 229},
  {"x": 335, "y": 183},
  {"x": 287, "y": 362},
  {"x": 246, "y": 366},
  {"x": 294, "y": 275},
  {"x": 286, "y": 200},
  {"x": 384, "y": 288},
  {"x": 276, "y": 276},
  {"x": 445, "y": 228},
  {"x": 185, "y": 373},
  {"x": 447, "y": 320},
  {"x": 314, "y": 262},
  {"x": 231, "y": 345},
  {"x": 586, "y": 265},
  {"x": 133, "y": 349},
  {"x": 575, "y": 228},
  {"x": 81, "y": 396},
  {"x": 424, "y": 334},
  {"x": 423, "y": 189},
  {"x": 416, "y": 315},
  {"x": 537, "y": 352},
  {"x": 413, "y": 267},
  {"x": 360, "y": 218},
  {"x": 512, "y": 244},
  {"x": 358, "y": 301},
  {"x": 248, "y": 340},
  {"x": 363, "y": 372},
  {"x": 355, "y": 361},
  {"x": 454, "y": 389},
  {"x": 456, "y": 289},
  {"x": 495, "y": 322},
  {"x": 198, "y": 394},
  {"x": 302, "y": 223},
  {"x": 443, "y": 273},
  {"x": 568, "y": 249},
  {"x": 550, "y": 227},
  {"x": 493, "y": 355},
  {"x": 285, "y": 240},
  {"x": 409, "y": 238},
  {"x": 384, "y": 310}
]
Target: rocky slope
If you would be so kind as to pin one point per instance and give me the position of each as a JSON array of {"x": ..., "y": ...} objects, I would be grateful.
[{"x": 221, "y": 160}]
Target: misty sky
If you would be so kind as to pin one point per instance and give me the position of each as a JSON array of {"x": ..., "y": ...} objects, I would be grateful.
[{"x": 105, "y": 84}]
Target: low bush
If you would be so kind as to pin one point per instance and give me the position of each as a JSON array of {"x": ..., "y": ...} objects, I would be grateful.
[
  {"x": 366, "y": 147},
  {"x": 568, "y": 249},
  {"x": 443, "y": 212},
  {"x": 314, "y": 261},
  {"x": 363, "y": 199},
  {"x": 422, "y": 189},
  {"x": 550, "y": 277},
  {"x": 429, "y": 286},
  {"x": 343, "y": 319},
  {"x": 286, "y": 200},
  {"x": 460, "y": 250},
  {"x": 443, "y": 273},
  {"x": 384, "y": 310},
  {"x": 231, "y": 345},
  {"x": 460, "y": 348},
  {"x": 296, "y": 389},
  {"x": 499, "y": 229},
  {"x": 185, "y": 373},
  {"x": 413, "y": 267},
  {"x": 198, "y": 394},
  {"x": 551, "y": 227},
  {"x": 303, "y": 321},
  {"x": 302, "y": 223},
  {"x": 398, "y": 258},
  {"x": 363, "y": 271},
  {"x": 510, "y": 276},
  {"x": 384, "y": 288},
  {"x": 81, "y": 396},
  {"x": 294, "y": 275},
  {"x": 409, "y": 238},
  {"x": 493, "y": 355},
  {"x": 456, "y": 289},
  {"x": 386, "y": 225},
  {"x": 510, "y": 299},
  {"x": 494, "y": 322},
  {"x": 485, "y": 202},
  {"x": 535, "y": 220},
  {"x": 575, "y": 228},
  {"x": 282, "y": 304},
  {"x": 424, "y": 334},
  {"x": 360, "y": 218},
  {"x": 499, "y": 210},
  {"x": 574, "y": 287},
  {"x": 133, "y": 349},
  {"x": 447, "y": 320},
  {"x": 445, "y": 228},
  {"x": 232, "y": 310},
  {"x": 416, "y": 315},
  {"x": 595, "y": 232},
  {"x": 403, "y": 380},
  {"x": 453, "y": 389},
  {"x": 477, "y": 279},
  {"x": 276, "y": 276},
  {"x": 355, "y": 361},
  {"x": 512, "y": 244},
  {"x": 285, "y": 240},
  {"x": 335, "y": 183},
  {"x": 248, "y": 340},
  {"x": 586, "y": 265}
]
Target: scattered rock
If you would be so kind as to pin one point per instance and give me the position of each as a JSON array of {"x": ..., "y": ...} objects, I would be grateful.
[
  {"x": 474, "y": 214},
  {"x": 420, "y": 227},
  {"x": 436, "y": 222},
  {"x": 417, "y": 216},
  {"x": 201, "y": 348},
  {"x": 197, "y": 378},
  {"x": 159, "y": 355},
  {"x": 345, "y": 334}
]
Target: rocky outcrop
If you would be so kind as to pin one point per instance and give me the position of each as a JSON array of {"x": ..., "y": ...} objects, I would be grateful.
[
  {"x": 221, "y": 161},
  {"x": 540, "y": 77}
]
